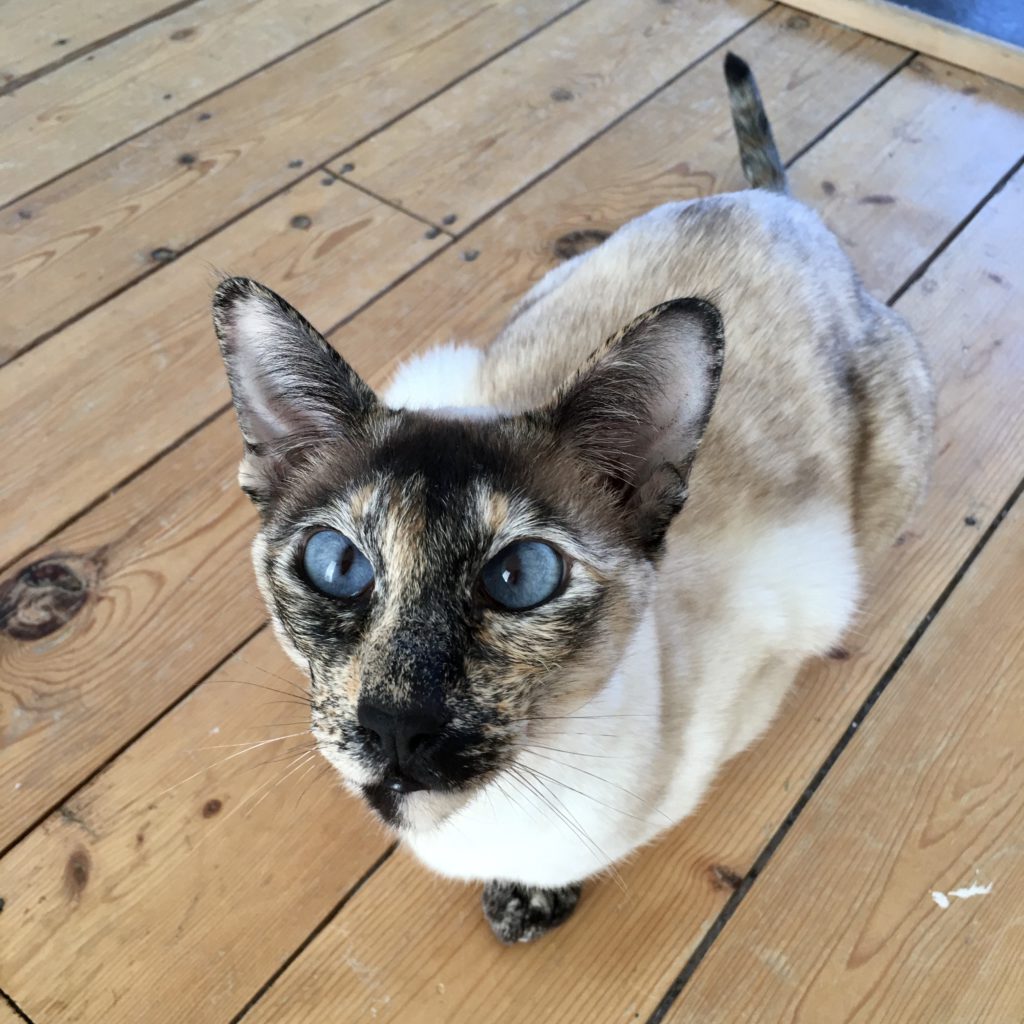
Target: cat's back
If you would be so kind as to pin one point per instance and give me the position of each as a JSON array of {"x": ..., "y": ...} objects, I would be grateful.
[
  {"x": 792, "y": 306},
  {"x": 825, "y": 396},
  {"x": 775, "y": 272}
]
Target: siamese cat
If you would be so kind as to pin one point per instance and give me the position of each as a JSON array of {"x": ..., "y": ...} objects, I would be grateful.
[{"x": 535, "y": 621}]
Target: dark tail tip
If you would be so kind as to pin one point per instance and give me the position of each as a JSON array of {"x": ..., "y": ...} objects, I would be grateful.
[{"x": 737, "y": 70}]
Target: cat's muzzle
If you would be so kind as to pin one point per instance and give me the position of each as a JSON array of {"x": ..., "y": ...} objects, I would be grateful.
[{"x": 413, "y": 749}]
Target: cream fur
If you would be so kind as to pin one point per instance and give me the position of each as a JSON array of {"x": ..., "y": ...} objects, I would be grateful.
[{"x": 762, "y": 566}]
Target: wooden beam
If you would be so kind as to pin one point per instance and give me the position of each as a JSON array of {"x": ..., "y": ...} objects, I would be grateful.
[{"x": 918, "y": 31}]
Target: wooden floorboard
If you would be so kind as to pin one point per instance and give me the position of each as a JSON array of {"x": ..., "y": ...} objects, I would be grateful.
[
  {"x": 71, "y": 244},
  {"x": 932, "y": 97},
  {"x": 37, "y": 36},
  {"x": 7, "y": 1015},
  {"x": 158, "y": 869},
  {"x": 88, "y": 106},
  {"x": 141, "y": 552},
  {"x": 161, "y": 558},
  {"x": 901, "y": 886},
  {"x": 168, "y": 890},
  {"x": 483, "y": 140},
  {"x": 937, "y": 38}
]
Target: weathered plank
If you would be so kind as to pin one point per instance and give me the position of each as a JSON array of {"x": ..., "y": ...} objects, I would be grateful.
[
  {"x": 37, "y": 35},
  {"x": 487, "y": 137},
  {"x": 7, "y": 1015},
  {"x": 166, "y": 594},
  {"x": 864, "y": 188},
  {"x": 422, "y": 948},
  {"x": 172, "y": 598},
  {"x": 639, "y": 163},
  {"x": 91, "y": 104},
  {"x": 72, "y": 243},
  {"x": 858, "y": 916},
  {"x": 139, "y": 372},
  {"x": 891, "y": 20},
  {"x": 172, "y": 886}
]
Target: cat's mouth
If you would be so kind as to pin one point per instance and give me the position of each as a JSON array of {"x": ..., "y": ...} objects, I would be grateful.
[
  {"x": 414, "y": 810},
  {"x": 417, "y": 790}
]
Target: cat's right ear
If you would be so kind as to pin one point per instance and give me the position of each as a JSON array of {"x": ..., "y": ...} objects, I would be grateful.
[
  {"x": 292, "y": 391},
  {"x": 636, "y": 412}
]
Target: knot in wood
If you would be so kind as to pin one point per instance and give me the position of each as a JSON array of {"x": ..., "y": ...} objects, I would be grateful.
[{"x": 45, "y": 596}]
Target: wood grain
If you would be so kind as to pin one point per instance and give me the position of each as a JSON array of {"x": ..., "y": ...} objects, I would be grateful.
[
  {"x": 172, "y": 885},
  {"x": 928, "y": 798},
  {"x": 919, "y": 114},
  {"x": 58, "y": 414},
  {"x": 173, "y": 593},
  {"x": 37, "y": 35},
  {"x": 72, "y": 243},
  {"x": 134, "y": 376},
  {"x": 920, "y": 32},
  {"x": 486, "y": 137},
  {"x": 423, "y": 950},
  {"x": 7, "y": 1015},
  {"x": 168, "y": 593},
  {"x": 83, "y": 108},
  {"x": 638, "y": 164}
]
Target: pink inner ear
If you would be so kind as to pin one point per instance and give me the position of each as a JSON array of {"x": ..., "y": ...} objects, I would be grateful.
[{"x": 256, "y": 333}]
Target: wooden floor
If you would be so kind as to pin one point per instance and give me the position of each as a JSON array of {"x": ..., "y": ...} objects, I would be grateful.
[{"x": 402, "y": 170}]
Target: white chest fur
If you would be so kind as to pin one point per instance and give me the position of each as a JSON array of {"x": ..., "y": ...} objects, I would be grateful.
[{"x": 689, "y": 693}]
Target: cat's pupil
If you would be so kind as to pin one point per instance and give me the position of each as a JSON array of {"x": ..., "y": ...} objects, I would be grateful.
[{"x": 348, "y": 556}]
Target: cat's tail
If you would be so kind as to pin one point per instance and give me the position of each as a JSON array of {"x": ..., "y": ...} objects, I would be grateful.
[{"x": 762, "y": 166}]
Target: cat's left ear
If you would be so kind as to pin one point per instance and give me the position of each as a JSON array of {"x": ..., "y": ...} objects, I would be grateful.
[
  {"x": 637, "y": 411},
  {"x": 292, "y": 391}
]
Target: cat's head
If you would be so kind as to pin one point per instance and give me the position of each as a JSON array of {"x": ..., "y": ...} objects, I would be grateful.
[{"x": 449, "y": 580}]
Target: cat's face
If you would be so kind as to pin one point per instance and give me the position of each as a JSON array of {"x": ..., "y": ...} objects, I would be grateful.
[
  {"x": 447, "y": 583},
  {"x": 450, "y": 582}
]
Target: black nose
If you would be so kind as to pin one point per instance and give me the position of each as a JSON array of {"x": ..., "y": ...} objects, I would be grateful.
[{"x": 403, "y": 736}]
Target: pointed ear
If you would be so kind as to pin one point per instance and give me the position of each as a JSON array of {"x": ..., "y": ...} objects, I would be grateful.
[
  {"x": 636, "y": 412},
  {"x": 292, "y": 392}
]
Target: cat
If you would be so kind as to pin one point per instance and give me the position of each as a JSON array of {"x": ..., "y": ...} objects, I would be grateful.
[{"x": 535, "y": 622}]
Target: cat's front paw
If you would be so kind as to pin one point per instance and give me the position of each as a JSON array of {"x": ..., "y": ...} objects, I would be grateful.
[{"x": 522, "y": 913}]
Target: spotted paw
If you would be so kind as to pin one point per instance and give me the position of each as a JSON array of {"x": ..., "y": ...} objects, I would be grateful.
[{"x": 522, "y": 913}]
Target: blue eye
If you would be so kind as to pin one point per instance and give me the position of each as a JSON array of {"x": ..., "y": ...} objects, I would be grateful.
[
  {"x": 335, "y": 566},
  {"x": 523, "y": 575}
]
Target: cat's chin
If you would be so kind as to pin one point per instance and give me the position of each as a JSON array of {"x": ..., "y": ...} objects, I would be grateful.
[
  {"x": 412, "y": 813},
  {"x": 425, "y": 811}
]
